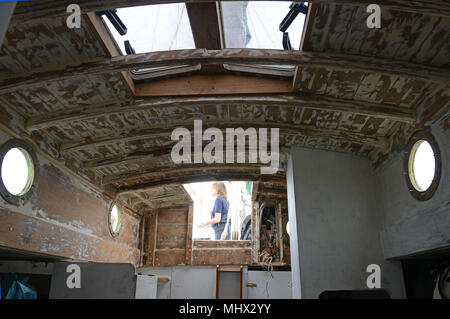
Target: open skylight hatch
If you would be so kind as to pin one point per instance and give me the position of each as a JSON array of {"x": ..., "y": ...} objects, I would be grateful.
[
  {"x": 245, "y": 24},
  {"x": 153, "y": 28}
]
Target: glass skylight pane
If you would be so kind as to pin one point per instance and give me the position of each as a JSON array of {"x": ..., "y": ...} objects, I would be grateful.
[
  {"x": 154, "y": 28},
  {"x": 255, "y": 24}
]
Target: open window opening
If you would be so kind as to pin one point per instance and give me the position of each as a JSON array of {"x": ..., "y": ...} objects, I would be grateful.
[
  {"x": 238, "y": 217},
  {"x": 263, "y": 25},
  {"x": 152, "y": 28},
  {"x": 243, "y": 24}
]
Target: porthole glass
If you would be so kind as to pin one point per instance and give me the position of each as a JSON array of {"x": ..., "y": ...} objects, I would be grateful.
[
  {"x": 422, "y": 165},
  {"x": 288, "y": 230},
  {"x": 115, "y": 220},
  {"x": 17, "y": 171}
]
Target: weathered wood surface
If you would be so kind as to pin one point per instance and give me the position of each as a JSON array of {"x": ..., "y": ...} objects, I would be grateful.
[
  {"x": 231, "y": 256},
  {"x": 36, "y": 235},
  {"x": 325, "y": 103},
  {"x": 334, "y": 61},
  {"x": 47, "y": 8}
]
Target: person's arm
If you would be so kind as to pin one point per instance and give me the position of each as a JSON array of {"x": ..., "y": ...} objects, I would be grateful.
[
  {"x": 217, "y": 214},
  {"x": 213, "y": 221}
]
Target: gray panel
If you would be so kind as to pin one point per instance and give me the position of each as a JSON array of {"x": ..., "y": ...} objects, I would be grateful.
[
  {"x": 267, "y": 287},
  {"x": 194, "y": 283},
  {"x": 98, "y": 281},
  {"x": 338, "y": 224},
  {"x": 146, "y": 287}
]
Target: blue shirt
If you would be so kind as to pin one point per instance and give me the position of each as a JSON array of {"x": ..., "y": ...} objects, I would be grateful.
[{"x": 221, "y": 206}]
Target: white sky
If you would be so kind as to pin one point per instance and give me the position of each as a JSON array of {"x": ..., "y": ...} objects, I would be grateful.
[{"x": 166, "y": 27}]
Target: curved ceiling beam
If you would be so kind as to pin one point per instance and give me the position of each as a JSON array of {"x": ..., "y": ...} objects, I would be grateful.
[
  {"x": 166, "y": 130},
  {"x": 333, "y": 61},
  {"x": 49, "y": 8},
  {"x": 324, "y": 103}
]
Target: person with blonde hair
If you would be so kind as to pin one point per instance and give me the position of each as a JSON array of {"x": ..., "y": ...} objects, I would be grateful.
[{"x": 219, "y": 214}]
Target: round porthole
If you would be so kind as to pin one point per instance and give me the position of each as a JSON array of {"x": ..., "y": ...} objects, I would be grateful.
[
  {"x": 422, "y": 166},
  {"x": 115, "y": 220},
  {"x": 288, "y": 229},
  {"x": 18, "y": 171}
]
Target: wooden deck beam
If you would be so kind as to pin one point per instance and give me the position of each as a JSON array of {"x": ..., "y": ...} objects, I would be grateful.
[
  {"x": 284, "y": 129},
  {"x": 316, "y": 102},
  {"x": 26, "y": 11},
  {"x": 333, "y": 61}
]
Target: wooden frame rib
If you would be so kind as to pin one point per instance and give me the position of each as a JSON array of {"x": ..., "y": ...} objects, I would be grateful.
[
  {"x": 324, "y": 103},
  {"x": 26, "y": 11},
  {"x": 333, "y": 61}
]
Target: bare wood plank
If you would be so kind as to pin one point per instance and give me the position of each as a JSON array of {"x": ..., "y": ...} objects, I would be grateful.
[
  {"x": 186, "y": 177},
  {"x": 169, "y": 257},
  {"x": 190, "y": 225},
  {"x": 150, "y": 238},
  {"x": 201, "y": 84},
  {"x": 204, "y": 24},
  {"x": 224, "y": 244},
  {"x": 284, "y": 129},
  {"x": 333, "y": 61},
  {"x": 44, "y": 236},
  {"x": 232, "y": 256},
  {"x": 109, "y": 45},
  {"x": 84, "y": 113},
  {"x": 156, "y": 172},
  {"x": 26, "y": 11}
]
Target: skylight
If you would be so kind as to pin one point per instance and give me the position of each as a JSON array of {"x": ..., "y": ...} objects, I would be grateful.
[
  {"x": 255, "y": 24},
  {"x": 154, "y": 28}
]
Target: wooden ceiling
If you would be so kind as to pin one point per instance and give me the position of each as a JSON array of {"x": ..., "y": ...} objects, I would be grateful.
[{"x": 356, "y": 90}]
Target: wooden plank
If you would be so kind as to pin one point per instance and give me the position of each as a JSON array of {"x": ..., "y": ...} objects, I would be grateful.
[
  {"x": 204, "y": 24},
  {"x": 109, "y": 44},
  {"x": 88, "y": 112},
  {"x": 26, "y": 11},
  {"x": 284, "y": 129},
  {"x": 169, "y": 257},
  {"x": 232, "y": 256},
  {"x": 190, "y": 225},
  {"x": 223, "y": 244},
  {"x": 333, "y": 61},
  {"x": 172, "y": 215},
  {"x": 150, "y": 238},
  {"x": 43, "y": 236},
  {"x": 172, "y": 170},
  {"x": 171, "y": 236},
  {"x": 195, "y": 177},
  {"x": 213, "y": 85}
]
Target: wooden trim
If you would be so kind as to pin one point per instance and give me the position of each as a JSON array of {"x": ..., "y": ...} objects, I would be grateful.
[
  {"x": 200, "y": 168},
  {"x": 307, "y": 29},
  {"x": 204, "y": 24},
  {"x": 317, "y": 102},
  {"x": 333, "y": 61},
  {"x": 26, "y": 11},
  {"x": 213, "y": 85},
  {"x": 185, "y": 177},
  {"x": 109, "y": 44},
  {"x": 190, "y": 220}
]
